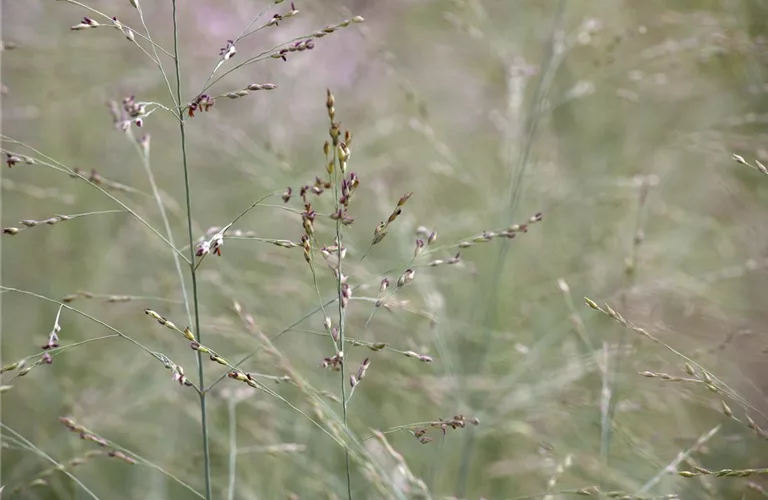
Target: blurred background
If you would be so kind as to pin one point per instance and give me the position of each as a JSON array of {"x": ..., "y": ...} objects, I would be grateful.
[{"x": 617, "y": 120}]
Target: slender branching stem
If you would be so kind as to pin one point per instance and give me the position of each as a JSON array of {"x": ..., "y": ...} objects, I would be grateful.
[
  {"x": 200, "y": 370},
  {"x": 344, "y": 361},
  {"x": 338, "y": 178}
]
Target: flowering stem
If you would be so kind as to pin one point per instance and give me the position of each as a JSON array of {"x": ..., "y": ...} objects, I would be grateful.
[
  {"x": 343, "y": 361},
  {"x": 200, "y": 371}
]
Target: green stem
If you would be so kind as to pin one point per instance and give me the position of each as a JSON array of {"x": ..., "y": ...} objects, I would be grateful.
[
  {"x": 339, "y": 178},
  {"x": 200, "y": 371},
  {"x": 231, "y": 406},
  {"x": 343, "y": 362}
]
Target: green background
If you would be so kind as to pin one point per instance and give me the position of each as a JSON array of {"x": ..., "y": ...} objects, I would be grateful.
[{"x": 609, "y": 117}]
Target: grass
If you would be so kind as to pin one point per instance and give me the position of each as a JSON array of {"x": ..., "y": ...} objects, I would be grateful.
[{"x": 501, "y": 161}]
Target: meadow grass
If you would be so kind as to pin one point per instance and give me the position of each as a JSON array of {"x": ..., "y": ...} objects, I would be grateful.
[{"x": 299, "y": 255}]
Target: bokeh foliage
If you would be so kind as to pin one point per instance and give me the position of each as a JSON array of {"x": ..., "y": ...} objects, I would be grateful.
[{"x": 615, "y": 119}]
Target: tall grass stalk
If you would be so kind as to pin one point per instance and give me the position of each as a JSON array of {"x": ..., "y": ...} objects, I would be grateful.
[
  {"x": 341, "y": 338},
  {"x": 337, "y": 170},
  {"x": 192, "y": 267}
]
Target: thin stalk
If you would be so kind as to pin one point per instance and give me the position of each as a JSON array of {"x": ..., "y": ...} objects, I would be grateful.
[
  {"x": 34, "y": 449},
  {"x": 144, "y": 155},
  {"x": 83, "y": 314},
  {"x": 610, "y": 379},
  {"x": 242, "y": 35},
  {"x": 682, "y": 456},
  {"x": 339, "y": 245},
  {"x": 200, "y": 370},
  {"x": 109, "y": 18},
  {"x": 231, "y": 407},
  {"x": 157, "y": 57},
  {"x": 344, "y": 361},
  {"x": 60, "y": 167}
]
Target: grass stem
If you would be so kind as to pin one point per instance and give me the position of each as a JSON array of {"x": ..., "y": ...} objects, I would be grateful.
[
  {"x": 195, "y": 297},
  {"x": 341, "y": 334}
]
